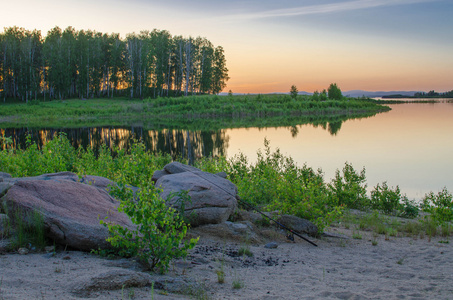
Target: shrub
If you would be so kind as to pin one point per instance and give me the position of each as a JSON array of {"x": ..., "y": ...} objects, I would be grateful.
[
  {"x": 440, "y": 206},
  {"x": 275, "y": 182},
  {"x": 410, "y": 209},
  {"x": 385, "y": 198},
  {"x": 160, "y": 231},
  {"x": 349, "y": 188}
]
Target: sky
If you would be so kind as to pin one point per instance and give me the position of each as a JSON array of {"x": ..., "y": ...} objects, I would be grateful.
[{"x": 373, "y": 45}]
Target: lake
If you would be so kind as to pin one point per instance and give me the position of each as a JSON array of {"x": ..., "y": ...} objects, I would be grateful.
[{"x": 410, "y": 146}]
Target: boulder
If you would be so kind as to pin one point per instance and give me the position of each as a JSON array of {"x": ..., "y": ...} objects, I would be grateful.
[
  {"x": 177, "y": 167},
  {"x": 233, "y": 232},
  {"x": 4, "y": 226},
  {"x": 69, "y": 176},
  {"x": 4, "y": 175},
  {"x": 298, "y": 225},
  {"x": 5, "y": 186},
  {"x": 212, "y": 198},
  {"x": 158, "y": 174},
  {"x": 98, "y": 181},
  {"x": 71, "y": 210},
  {"x": 111, "y": 280}
]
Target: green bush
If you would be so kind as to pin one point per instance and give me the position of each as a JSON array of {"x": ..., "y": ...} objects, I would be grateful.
[
  {"x": 410, "y": 208},
  {"x": 160, "y": 231},
  {"x": 440, "y": 206},
  {"x": 386, "y": 199},
  {"x": 349, "y": 188},
  {"x": 56, "y": 156},
  {"x": 275, "y": 182}
]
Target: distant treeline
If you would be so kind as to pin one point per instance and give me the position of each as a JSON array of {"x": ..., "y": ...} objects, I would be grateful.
[
  {"x": 87, "y": 64},
  {"x": 430, "y": 94}
]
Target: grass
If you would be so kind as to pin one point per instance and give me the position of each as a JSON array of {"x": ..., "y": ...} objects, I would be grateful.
[
  {"x": 374, "y": 241},
  {"x": 182, "y": 110},
  {"x": 221, "y": 272},
  {"x": 356, "y": 235},
  {"x": 238, "y": 283},
  {"x": 198, "y": 291},
  {"x": 28, "y": 230},
  {"x": 245, "y": 251},
  {"x": 390, "y": 226}
]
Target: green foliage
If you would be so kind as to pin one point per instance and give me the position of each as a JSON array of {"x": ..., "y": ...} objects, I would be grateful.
[
  {"x": 275, "y": 182},
  {"x": 323, "y": 95},
  {"x": 133, "y": 166},
  {"x": 390, "y": 201},
  {"x": 213, "y": 165},
  {"x": 245, "y": 251},
  {"x": 440, "y": 206},
  {"x": 410, "y": 208},
  {"x": 349, "y": 188},
  {"x": 293, "y": 92},
  {"x": 334, "y": 92},
  {"x": 160, "y": 231},
  {"x": 29, "y": 231},
  {"x": 385, "y": 198},
  {"x": 70, "y": 63},
  {"x": 315, "y": 96},
  {"x": 181, "y": 111},
  {"x": 56, "y": 156}
]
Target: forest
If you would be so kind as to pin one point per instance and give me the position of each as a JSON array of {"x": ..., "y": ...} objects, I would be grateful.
[{"x": 87, "y": 64}]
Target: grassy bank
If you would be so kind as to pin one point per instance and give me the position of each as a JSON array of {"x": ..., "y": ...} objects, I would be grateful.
[{"x": 166, "y": 112}]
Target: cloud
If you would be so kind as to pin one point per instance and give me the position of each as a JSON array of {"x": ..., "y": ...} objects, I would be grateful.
[{"x": 324, "y": 8}]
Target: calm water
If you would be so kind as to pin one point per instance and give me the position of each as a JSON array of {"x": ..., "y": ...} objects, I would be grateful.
[{"x": 409, "y": 146}]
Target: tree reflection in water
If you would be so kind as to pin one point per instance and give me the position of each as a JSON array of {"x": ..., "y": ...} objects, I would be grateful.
[{"x": 178, "y": 143}]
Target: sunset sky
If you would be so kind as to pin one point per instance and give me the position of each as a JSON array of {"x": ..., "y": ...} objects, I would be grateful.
[{"x": 375, "y": 45}]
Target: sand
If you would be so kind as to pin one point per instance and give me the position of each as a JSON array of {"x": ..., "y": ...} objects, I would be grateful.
[{"x": 339, "y": 268}]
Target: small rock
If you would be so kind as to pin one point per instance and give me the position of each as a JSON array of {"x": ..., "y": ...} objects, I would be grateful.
[
  {"x": 49, "y": 255},
  {"x": 49, "y": 248},
  {"x": 271, "y": 245},
  {"x": 22, "y": 251}
]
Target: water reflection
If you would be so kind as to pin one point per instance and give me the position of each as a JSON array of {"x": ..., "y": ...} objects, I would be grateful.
[
  {"x": 178, "y": 143},
  {"x": 185, "y": 143}
]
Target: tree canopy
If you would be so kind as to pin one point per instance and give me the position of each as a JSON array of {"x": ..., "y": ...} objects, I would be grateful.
[
  {"x": 86, "y": 64},
  {"x": 293, "y": 92},
  {"x": 334, "y": 92}
]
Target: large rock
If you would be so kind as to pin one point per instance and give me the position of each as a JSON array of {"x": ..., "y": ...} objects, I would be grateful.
[
  {"x": 213, "y": 198},
  {"x": 4, "y": 175},
  {"x": 238, "y": 232},
  {"x": 299, "y": 225},
  {"x": 112, "y": 280},
  {"x": 71, "y": 210}
]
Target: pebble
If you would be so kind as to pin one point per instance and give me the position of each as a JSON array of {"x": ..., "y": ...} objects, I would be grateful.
[
  {"x": 271, "y": 245},
  {"x": 22, "y": 251},
  {"x": 49, "y": 248}
]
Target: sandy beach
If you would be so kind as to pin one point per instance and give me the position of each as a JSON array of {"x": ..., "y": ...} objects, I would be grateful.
[{"x": 339, "y": 268}]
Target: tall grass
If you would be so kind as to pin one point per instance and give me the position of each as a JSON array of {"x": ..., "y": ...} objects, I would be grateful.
[{"x": 180, "y": 109}]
